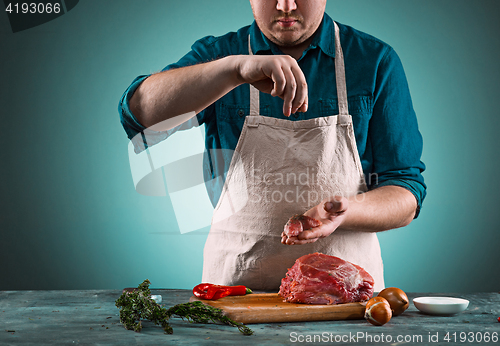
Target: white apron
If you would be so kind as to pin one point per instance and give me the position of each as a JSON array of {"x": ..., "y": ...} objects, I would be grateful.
[{"x": 281, "y": 168}]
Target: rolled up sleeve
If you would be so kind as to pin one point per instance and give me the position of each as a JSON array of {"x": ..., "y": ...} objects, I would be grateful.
[
  {"x": 136, "y": 132},
  {"x": 394, "y": 135}
]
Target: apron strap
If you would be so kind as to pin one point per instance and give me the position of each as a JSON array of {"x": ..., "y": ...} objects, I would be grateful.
[
  {"x": 254, "y": 92},
  {"x": 339, "y": 76}
]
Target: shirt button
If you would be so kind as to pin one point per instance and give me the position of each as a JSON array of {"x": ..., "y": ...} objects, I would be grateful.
[
  {"x": 241, "y": 112},
  {"x": 296, "y": 115}
]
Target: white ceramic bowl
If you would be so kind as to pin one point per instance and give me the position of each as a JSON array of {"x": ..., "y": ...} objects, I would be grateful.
[{"x": 440, "y": 305}]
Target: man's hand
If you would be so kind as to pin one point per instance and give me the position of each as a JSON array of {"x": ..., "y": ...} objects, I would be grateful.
[
  {"x": 381, "y": 209},
  {"x": 278, "y": 75},
  {"x": 168, "y": 94},
  {"x": 331, "y": 213}
]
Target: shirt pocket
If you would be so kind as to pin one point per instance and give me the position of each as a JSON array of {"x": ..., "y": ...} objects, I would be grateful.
[
  {"x": 361, "y": 110},
  {"x": 358, "y": 106}
]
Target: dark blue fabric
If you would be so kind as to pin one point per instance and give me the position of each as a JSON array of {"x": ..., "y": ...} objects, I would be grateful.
[{"x": 385, "y": 125}]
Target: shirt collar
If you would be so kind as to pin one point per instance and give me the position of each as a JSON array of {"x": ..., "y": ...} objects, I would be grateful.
[{"x": 324, "y": 38}]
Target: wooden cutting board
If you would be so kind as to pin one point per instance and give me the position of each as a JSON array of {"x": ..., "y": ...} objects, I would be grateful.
[{"x": 269, "y": 307}]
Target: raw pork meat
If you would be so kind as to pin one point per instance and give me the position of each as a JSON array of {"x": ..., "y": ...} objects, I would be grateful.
[
  {"x": 299, "y": 223},
  {"x": 321, "y": 279}
]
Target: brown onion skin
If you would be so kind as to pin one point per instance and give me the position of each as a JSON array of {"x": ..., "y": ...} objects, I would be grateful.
[
  {"x": 398, "y": 300},
  {"x": 378, "y": 311},
  {"x": 375, "y": 300}
]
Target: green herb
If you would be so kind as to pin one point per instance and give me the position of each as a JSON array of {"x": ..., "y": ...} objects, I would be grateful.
[
  {"x": 137, "y": 305},
  {"x": 197, "y": 312}
]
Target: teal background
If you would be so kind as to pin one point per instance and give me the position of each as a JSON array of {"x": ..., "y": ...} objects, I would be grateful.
[{"x": 70, "y": 216}]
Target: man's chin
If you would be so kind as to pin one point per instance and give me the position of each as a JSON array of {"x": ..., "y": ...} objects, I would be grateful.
[{"x": 289, "y": 41}]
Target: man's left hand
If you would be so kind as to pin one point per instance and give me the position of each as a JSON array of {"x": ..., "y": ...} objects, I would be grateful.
[{"x": 330, "y": 212}]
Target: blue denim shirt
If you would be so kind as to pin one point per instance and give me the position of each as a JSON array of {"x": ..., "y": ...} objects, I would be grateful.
[{"x": 385, "y": 125}]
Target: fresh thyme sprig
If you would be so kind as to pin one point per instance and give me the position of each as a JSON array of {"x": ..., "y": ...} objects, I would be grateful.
[
  {"x": 137, "y": 305},
  {"x": 197, "y": 312}
]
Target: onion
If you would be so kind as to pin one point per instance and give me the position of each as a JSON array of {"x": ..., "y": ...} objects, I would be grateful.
[
  {"x": 375, "y": 300},
  {"x": 378, "y": 311},
  {"x": 397, "y": 300}
]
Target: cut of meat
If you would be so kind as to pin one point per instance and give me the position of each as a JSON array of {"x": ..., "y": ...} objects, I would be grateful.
[
  {"x": 299, "y": 223},
  {"x": 321, "y": 279}
]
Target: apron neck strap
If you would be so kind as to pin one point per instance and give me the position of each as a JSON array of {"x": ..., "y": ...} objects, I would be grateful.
[
  {"x": 254, "y": 92},
  {"x": 339, "y": 76}
]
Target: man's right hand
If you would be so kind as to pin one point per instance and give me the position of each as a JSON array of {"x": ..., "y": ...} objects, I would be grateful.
[
  {"x": 278, "y": 75},
  {"x": 171, "y": 93}
]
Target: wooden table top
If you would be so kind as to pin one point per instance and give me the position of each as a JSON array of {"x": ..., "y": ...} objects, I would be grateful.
[{"x": 90, "y": 317}]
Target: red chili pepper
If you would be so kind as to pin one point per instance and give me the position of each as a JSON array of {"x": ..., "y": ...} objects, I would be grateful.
[{"x": 214, "y": 292}]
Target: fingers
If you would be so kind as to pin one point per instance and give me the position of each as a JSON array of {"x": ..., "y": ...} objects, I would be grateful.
[
  {"x": 304, "y": 237},
  {"x": 312, "y": 234},
  {"x": 289, "y": 92},
  {"x": 300, "y": 100},
  {"x": 295, "y": 89},
  {"x": 279, "y": 80},
  {"x": 295, "y": 241},
  {"x": 288, "y": 80},
  {"x": 331, "y": 213}
]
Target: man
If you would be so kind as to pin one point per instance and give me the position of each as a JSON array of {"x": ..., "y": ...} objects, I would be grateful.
[{"x": 250, "y": 89}]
